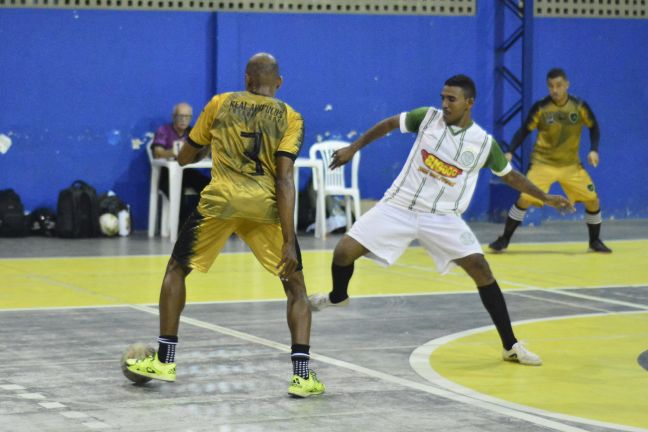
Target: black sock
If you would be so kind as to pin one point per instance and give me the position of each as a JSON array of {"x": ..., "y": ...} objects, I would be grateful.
[
  {"x": 513, "y": 220},
  {"x": 341, "y": 277},
  {"x": 593, "y": 220},
  {"x": 166, "y": 349},
  {"x": 300, "y": 358},
  {"x": 594, "y": 231},
  {"x": 493, "y": 300},
  {"x": 510, "y": 227}
]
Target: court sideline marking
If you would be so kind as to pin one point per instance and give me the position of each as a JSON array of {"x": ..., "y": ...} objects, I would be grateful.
[
  {"x": 518, "y": 291},
  {"x": 560, "y": 291},
  {"x": 531, "y": 418}
]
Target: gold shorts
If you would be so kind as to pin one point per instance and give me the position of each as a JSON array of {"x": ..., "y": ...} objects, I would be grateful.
[
  {"x": 203, "y": 237},
  {"x": 573, "y": 179}
]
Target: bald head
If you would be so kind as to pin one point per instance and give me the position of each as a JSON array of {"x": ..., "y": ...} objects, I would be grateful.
[
  {"x": 262, "y": 65},
  {"x": 183, "y": 108},
  {"x": 182, "y": 114},
  {"x": 262, "y": 74}
]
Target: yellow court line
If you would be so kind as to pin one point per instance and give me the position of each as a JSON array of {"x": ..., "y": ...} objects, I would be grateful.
[{"x": 86, "y": 281}]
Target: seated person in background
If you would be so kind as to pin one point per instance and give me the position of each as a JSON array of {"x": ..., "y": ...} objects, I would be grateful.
[{"x": 166, "y": 144}]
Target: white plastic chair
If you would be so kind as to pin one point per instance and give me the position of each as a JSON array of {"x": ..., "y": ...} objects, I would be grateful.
[
  {"x": 334, "y": 180},
  {"x": 155, "y": 193}
]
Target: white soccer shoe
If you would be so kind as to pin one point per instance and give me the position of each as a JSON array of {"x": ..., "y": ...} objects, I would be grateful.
[
  {"x": 518, "y": 353},
  {"x": 321, "y": 301}
]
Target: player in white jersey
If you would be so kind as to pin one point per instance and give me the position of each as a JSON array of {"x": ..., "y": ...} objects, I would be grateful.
[{"x": 426, "y": 201}]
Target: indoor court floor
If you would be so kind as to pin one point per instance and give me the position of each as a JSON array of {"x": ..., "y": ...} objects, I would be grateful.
[{"x": 414, "y": 351}]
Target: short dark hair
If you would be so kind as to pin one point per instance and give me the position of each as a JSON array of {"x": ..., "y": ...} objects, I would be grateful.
[
  {"x": 555, "y": 73},
  {"x": 466, "y": 84}
]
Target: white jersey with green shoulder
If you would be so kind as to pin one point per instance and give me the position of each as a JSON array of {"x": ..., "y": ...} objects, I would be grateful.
[{"x": 441, "y": 170}]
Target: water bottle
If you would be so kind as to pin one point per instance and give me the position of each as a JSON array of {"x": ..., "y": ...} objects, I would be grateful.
[
  {"x": 177, "y": 144},
  {"x": 124, "y": 222}
]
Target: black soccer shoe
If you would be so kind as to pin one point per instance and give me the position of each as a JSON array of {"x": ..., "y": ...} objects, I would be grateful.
[
  {"x": 499, "y": 245},
  {"x": 598, "y": 246}
]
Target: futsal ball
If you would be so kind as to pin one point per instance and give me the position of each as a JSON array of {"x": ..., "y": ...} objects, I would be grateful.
[
  {"x": 109, "y": 224},
  {"x": 137, "y": 351}
]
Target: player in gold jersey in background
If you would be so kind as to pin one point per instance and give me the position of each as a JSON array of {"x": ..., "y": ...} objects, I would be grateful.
[
  {"x": 559, "y": 119},
  {"x": 254, "y": 140}
]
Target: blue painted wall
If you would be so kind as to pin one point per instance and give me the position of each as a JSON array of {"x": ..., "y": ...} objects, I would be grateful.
[{"x": 77, "y": 86}]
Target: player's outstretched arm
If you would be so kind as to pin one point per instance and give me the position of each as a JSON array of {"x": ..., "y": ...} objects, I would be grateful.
[
  {"x": 521, "y": 183},
  {"x": 560, "y": 203},
  {"x": 380, "y": 129}
]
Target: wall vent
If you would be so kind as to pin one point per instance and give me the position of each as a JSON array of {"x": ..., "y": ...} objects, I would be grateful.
[
  {"x": 367, "y": 7},
  {"x": 591, "y": 8}
]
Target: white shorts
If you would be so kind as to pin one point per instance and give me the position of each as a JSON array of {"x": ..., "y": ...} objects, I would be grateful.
[{"x": 387, "y": 230}]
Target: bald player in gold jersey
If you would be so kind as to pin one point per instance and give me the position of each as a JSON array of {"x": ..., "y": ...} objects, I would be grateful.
[
  {"x": 559, "y": 119},
  {"x": 254, "y": 140}
]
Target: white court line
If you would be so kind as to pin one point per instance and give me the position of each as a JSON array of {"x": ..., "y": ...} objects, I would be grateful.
[
  {"x": 12, "y": 387},
  {"x": 73, "y": 414},
  {"x": 527, "y": 287},
  {"x": 419, "y": 360},
  {"x": 31, "y": 396},
  {"x": 521, "y": 288},
  {"x": 96, "y": 425},
  {"x": 55, "y": 405},
  {"x": 561, "y": 291},
  {"x": 563, "y": 303},
  {"x": 602, "y": 300},
  {"x": 51, "y": 405},
  {"x": 380, "y": 375}
]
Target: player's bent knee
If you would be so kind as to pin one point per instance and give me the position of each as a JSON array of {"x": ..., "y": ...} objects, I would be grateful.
[
  {"x": 481, "y": 264},
  {"x": 294, "y": 286},
  {"x": 176, "y": 268},
  {"x": 347, "y": 251},
  {"x": 477, "y": 268},
  {"x": 341, "y": 258}
]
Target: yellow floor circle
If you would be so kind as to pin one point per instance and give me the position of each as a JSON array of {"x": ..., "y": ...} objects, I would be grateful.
[{"x": 591, "y": 368}]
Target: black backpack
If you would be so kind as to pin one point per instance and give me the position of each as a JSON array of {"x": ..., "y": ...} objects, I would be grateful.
[
  {"x": 13, "y": 222},
  {"x": 78, "y": 212},
  {"x": 42, "y": 221}
]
